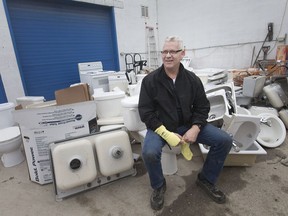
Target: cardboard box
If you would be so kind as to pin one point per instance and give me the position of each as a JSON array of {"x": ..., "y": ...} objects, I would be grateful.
[
  {"x": 42, "y": 126},
  {"x": 74, "y": 94}
]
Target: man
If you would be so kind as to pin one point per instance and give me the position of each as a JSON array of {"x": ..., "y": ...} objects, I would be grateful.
[{"x": 174, "y": 107}]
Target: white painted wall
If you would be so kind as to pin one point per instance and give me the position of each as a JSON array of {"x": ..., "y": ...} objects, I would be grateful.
[
  {"x": 131, "y": 28},
  {"x": 212, "y": 23},
  {"x": 200, "y": 23},
  {"x": 8, "y": 64}
]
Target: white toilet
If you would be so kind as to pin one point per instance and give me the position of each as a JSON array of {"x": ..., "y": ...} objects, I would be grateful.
[
  {"x": 243, "y": 128},
  {"x": 168, "y": 157},
  {"x": 6, "y": 115},
  {"x": 10, "y": 146},
  {"x": 138, "y": 130},
  {"x": 108, "y": 107},
  {"x": 131, "y": 115},
  {"x": 272, "y": 131}
]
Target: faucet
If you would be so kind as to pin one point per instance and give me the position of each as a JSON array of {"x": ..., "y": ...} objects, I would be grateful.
[{"x": 266, "y": 121}]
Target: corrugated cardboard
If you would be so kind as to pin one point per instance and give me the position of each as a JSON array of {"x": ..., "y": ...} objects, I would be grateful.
[{"x": 74, "y": 94}]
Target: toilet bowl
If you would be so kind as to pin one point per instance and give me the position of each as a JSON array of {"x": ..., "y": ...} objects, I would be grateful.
[
  {"x": 272, "y": 131},
  {"x": 168, "y": 157},
  {"x": 10, "y": 146},
  {"x": 131, "y": 115},
  {"x": 6, "y": 115},
  {"x": 243, "y": 128}
]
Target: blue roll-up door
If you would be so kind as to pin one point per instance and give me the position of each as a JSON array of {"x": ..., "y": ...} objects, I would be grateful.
[
  {"x": 3, "y": 98},
  {"x": 51, "y": 37}
]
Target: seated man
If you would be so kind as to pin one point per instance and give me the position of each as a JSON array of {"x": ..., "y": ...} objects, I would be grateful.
[{"x": 174, "y": 107}]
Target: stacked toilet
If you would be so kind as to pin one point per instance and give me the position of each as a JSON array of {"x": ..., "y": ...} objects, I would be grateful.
[{"x": 10, "y": 137}]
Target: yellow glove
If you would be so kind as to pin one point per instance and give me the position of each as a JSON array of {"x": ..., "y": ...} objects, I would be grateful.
[
  {"x": 171, "y": 138},
  {"x": 186, "y": 152}
]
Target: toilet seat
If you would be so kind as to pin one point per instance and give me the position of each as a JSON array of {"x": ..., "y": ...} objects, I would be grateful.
[
  {"x": 110, "y": 121},
  {"x": 274, "y": 135},
  {"x": 10, "y": 143}
]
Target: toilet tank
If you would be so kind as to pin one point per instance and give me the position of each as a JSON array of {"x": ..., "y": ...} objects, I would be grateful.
[
  {"x": 6, "y": 115},
  {"x": 108, "y": 104},
  {"x": 131, "y": 115}
]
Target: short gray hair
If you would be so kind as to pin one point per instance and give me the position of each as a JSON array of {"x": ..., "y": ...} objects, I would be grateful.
[{"x": 177, "y": 39}]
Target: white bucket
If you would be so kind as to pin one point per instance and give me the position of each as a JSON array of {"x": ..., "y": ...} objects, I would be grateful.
[{"x": 6, "y": 115}]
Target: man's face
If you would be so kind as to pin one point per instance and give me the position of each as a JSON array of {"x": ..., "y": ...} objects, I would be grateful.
[{"x": 172, "y": 55}]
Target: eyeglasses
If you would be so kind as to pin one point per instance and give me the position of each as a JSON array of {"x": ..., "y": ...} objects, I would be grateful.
[{"x": 171, "y": 52}]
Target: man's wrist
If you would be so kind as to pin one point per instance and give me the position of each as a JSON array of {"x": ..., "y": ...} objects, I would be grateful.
[{"x": 198, "y": 125}]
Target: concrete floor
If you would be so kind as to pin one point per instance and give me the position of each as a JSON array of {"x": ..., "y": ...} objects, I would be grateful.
[{"x": 261, "y": 189}]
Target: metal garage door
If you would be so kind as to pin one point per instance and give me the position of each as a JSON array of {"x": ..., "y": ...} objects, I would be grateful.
[
  {"x": 51, "y": 37},
  {"x": 3, "y": 98}
]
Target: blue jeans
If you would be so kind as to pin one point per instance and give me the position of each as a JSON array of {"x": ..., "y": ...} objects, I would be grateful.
[{"x": 219, "y": 141}]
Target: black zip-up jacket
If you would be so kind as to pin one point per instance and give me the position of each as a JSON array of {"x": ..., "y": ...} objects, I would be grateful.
[{"x": 157, "y": 101}]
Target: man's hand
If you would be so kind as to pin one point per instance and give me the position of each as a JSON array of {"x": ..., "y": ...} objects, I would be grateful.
[{"x": 191, "y": 135}]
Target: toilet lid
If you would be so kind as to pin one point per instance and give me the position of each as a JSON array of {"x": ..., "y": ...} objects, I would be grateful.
[
  {"x": 109, "y": 95},
  {"x": 109, "y": 121},
  {"x": 130, "y": 102},
  {"x": 9, "y": 133}
]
